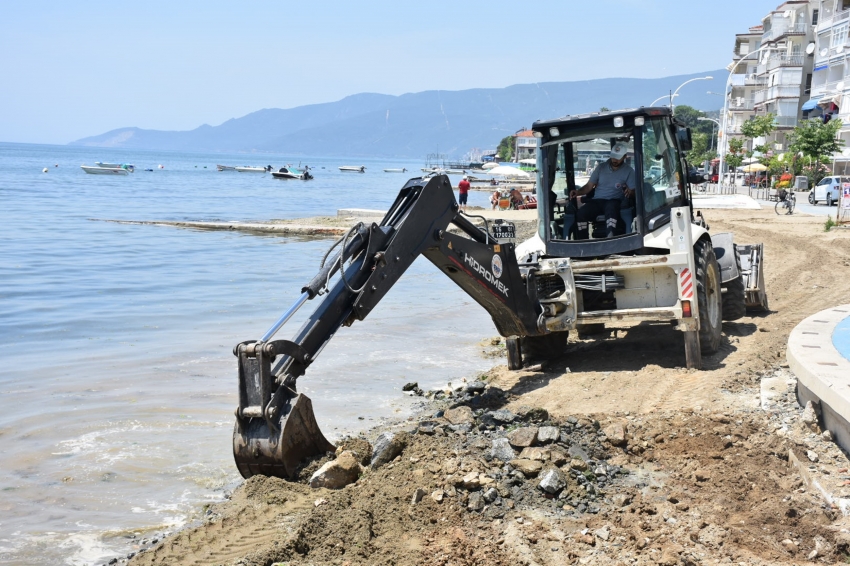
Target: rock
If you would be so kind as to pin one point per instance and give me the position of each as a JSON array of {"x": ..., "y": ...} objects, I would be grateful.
[
  {"x": 812, "y": 456},
  {"x": 578, "y": 464},
  {"x": 497, "y": 418},
  {"x": 812, "y": 555},
  {"x": 427, "y": 427},
  {"x": 476, "y": 387},
  {"x": 460, "y": 415},
  {"x": 410, "y": 386},
  {"x": 527, "y": 467},
  {"x": 523, "y": 437},
  {"x": 558, "y": 457},
  {"x": 552, "y": 481},
  {"x": 450, "y": 466},
  {"x": 789, "y": 545},
  {"x": 547, "y": 434},
  {"x": 360, "y": 446},
  {"x": 387, "y": 446},
  {"x": 502, "y": 450},
  {"x": 702, "y": 475},
  {"x": 827, "y": 436},
  {"x": 616, "y": 433},
  {"x": 417, "y": 496},
  {"x": 534, "y": 453},
  {"x": 810, "y": 416},
  {"x": 621, "y": 500},
  {"x": 471, "y": 481},
  {"x": 461, "y": 428},
  {"x": 533, "y": 414},
  {"x": 491, "y": 495},
  {"x": 603, "y": 533},
  {"x": 338, "y": 473},
  {"x": 476, "y": 501},
  {"x": 438, "y": 496},
  {"x": 577, "y": 451}
]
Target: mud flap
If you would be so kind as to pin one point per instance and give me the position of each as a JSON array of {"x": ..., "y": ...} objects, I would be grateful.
[{"x": 278, "y": 453}]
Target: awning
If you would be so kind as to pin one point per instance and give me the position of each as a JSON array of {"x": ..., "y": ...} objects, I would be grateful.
[{"x": 810, "y": 104}]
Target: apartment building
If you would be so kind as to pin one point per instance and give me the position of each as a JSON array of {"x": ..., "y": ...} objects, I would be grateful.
[
  {"x": 830, "y": 86},
  {"x": 772, "y": 69}
]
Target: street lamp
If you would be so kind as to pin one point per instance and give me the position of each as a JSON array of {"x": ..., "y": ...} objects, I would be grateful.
[
  {"x": 704, "y": 119},
  {"x": 722, "y": 135},
  {"x": 708, "y": 78},
  {"x": 659, "y": 98}
]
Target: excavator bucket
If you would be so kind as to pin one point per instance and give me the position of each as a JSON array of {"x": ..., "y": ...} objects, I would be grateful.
[{"x": 259, "y": 449}]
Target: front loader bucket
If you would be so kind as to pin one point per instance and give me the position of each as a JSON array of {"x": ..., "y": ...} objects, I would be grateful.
[
  {"x": 258, "y": 449},
  {"x": 752, "y": 271}
]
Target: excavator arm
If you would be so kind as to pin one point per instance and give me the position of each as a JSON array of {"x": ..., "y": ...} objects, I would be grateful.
[{"x": 275, "y": 425}]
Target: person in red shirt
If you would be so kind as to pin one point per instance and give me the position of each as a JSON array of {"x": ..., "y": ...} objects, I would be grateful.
[{"x": 463, "y": 193}]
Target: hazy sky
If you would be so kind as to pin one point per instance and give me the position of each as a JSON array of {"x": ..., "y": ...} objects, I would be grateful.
[{"x": 75, "y": 69}]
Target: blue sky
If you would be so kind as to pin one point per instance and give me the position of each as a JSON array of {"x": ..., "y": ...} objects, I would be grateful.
[{"x": 75, "y": 69}]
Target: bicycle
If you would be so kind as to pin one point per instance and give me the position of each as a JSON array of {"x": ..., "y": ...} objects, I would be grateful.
[{"x": 786, "y": 203}]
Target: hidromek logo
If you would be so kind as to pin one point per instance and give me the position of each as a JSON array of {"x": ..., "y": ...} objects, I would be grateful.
[{"x": 491, "y": 279}]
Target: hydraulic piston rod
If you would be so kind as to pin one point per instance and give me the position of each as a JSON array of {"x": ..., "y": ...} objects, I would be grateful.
[{"x": 285, "y": 316}]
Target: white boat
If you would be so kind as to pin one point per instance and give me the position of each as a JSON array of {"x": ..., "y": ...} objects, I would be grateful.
[
  {"x": 93, "y": 170},
  {"x": 290, "y": 172},
  {"x": 355, "y": 168},
  {"x": 254, "y": 169},
  {"x": 127, "y": 166},
  {"x": 395, "y": 170},
  {"x": 225, "y": 168}
]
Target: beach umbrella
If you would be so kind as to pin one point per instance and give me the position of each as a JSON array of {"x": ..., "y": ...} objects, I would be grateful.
[
  {"x": 530, "y": 161},
  {"x": 752, "y": 168},
  {"x": 490, "y": 165},
  {"x": 509, "y": 172}
]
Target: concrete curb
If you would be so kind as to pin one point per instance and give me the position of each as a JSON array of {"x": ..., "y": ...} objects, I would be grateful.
[{"x": 823, "y": 374}]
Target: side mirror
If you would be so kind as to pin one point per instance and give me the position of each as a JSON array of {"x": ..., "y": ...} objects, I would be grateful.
[{"x": 684, "y": 137}]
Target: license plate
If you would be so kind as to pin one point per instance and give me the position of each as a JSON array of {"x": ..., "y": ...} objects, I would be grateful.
[{"x": 504, "y": 232}]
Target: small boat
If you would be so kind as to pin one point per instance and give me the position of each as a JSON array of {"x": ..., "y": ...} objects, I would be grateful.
[
  {"x": 93, "y": 170},
  {"x": 290, "y": 172},
  {"x": 265, "y": 169},
  {"x": 355, "y": 168},
  {"x": 395, "y": 170},
  {"x": 127, "y": 166},
  {"x": 225, "y": 168}
]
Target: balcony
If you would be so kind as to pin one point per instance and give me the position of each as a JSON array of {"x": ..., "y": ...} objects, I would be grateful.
[
  {"x": 826, "y": 88},
  {"x": 827, "y": 21},
  {"x": 740, "y": 104},
  {"x": 781, "y": 30},
  {"x": 785, "y": 61},
  {"x": 780, "y": 91},
  {"x": 785, "y": 121}
]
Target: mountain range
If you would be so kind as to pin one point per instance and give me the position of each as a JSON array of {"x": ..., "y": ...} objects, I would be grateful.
[{"x": 415, "y": 124}]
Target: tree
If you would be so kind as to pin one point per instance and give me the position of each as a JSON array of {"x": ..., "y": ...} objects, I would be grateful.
[
  {"x": 690, "y": 117},
  {"x": 759, "y": 127},
  {"x": 506, "y": 148},
  {"x": 735, "y": 154},
  {"x": 816, "y": 141}
]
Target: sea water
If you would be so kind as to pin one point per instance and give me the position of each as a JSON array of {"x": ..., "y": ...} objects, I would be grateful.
[{"x": 117, "y": 379}]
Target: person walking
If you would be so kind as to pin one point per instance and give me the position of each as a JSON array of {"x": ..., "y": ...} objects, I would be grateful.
[{"x": 463, "y": 193}]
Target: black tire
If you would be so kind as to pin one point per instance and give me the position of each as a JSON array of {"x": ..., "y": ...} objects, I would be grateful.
[
  {"x": 779, "y": 207},
  {"x": 734, "y": 300},
  {"x": 514, "y": 351},
  {"x": 812, "y": 197},
  {"x": 709, "y": 298}
]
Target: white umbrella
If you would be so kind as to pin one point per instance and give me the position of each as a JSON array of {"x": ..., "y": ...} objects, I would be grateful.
[
  {"x": 509, "y": 172},
  {"x": 489, "y": 165},
  {"x": 529, "y": 161}
]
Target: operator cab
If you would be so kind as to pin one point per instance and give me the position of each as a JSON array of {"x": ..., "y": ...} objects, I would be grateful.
[{"x": 571, "y": 148}]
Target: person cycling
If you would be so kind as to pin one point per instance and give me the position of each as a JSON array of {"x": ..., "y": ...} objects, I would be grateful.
[{"x": 612, "y": 179}]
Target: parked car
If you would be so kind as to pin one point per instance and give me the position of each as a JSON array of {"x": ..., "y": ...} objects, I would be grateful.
[{"x": 828, "y": 189}]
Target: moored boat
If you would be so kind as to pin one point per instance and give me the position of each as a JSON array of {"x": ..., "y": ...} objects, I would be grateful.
[
  {"x": 402, "y": 170},
  {"x": 127, "y": 166},
  {"x": 94, "y": 170},
  {"x": 246, "y": 169},
  {"x": 354, "y": 168},
  {"x": 289, "y": 172},
  {"x": 225, "y": 168}
]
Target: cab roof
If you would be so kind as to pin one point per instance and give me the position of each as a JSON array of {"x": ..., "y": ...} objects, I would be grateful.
[{"x": 594, "y": 116}]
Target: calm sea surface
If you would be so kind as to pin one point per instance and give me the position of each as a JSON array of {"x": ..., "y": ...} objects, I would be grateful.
[{"x": 117, "y": 380}]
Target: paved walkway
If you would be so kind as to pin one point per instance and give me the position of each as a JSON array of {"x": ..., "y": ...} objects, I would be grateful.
[{"x": 819, "y": 354}]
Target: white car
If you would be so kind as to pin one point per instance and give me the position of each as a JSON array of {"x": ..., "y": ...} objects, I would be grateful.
[{"x": 828, "y": 189}]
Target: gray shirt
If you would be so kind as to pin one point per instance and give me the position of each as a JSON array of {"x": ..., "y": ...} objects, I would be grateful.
[{"x": 610, "y": 183}]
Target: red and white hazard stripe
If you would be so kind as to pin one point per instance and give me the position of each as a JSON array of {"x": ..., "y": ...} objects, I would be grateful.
[{"x": 686, "y": 284}]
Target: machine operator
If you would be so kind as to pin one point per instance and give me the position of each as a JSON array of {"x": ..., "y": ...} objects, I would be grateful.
[{"x": 613, "y": 180}]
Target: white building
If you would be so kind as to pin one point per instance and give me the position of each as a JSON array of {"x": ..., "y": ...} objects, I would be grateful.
[{"x": 830, "y": 92}]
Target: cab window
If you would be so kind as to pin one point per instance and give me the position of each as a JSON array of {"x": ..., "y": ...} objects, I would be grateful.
[{"x": 662, "y": 178}]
